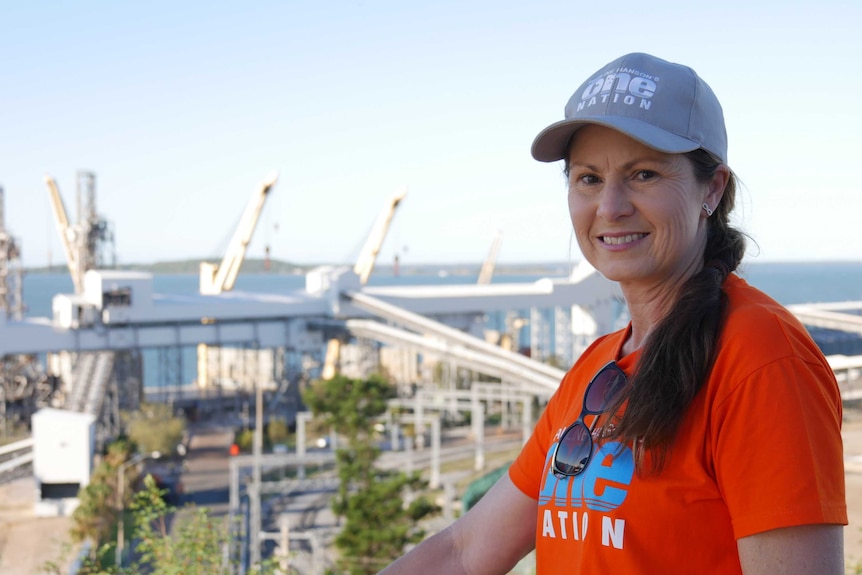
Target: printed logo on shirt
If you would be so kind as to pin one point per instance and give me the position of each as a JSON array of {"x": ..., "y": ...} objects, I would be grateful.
[{"x": 571, "y": 503}]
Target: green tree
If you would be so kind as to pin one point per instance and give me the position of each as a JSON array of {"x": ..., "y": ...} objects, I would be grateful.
[
  {"x": 245, "y": 439},
  {"x": 194, "y": 548},
  {"x": 155, "y": 428},
  {"x": 95, "y": 517},
  {"x": 191, "y": 547},
  {"x": 98, "y": 563},
  {"x": 378, "y": 525},
  {"x": 277, "y": 431}
]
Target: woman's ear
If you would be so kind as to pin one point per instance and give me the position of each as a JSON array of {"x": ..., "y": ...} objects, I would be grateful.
[{"x": 716, "y": 186}]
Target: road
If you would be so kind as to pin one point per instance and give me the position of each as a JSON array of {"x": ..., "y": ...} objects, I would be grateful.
[{"x": 206, "y": 474}]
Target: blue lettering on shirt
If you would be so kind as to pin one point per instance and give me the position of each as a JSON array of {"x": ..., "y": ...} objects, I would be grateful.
[{"x": 612, "y": 463}]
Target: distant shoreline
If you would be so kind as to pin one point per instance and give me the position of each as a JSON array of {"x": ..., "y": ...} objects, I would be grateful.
[{"x": 277, "y": 267}]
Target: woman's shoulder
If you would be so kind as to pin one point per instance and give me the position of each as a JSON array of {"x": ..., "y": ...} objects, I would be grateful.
[
  {"x": 759, "y": 330},
  {"x": 752, "y": 312}
]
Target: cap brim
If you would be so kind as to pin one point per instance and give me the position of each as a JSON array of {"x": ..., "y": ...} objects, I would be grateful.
[{"x": 552, "y": 143}]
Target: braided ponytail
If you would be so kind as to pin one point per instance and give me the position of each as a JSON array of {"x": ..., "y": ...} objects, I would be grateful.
[{"x": 679, "y": 353}]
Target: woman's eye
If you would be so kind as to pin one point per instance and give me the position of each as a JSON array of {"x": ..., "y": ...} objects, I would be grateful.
[
  {"x": 645, "y": 175},
  {"x": 588, "y": 179}
]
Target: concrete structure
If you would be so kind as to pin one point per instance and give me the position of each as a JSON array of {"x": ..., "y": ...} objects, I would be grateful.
[{"x": 63, "y": 447}]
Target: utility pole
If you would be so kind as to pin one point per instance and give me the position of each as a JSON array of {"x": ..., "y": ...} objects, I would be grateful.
[
  {"x": 257, "y": 449},
  {"x": 284, "y": 545}
]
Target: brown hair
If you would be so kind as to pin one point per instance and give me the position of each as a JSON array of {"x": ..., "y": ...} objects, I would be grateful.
[{"x": 678, "y": 355}]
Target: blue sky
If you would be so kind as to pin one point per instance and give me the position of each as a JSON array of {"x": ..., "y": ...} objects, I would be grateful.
[{"x": 181, "y": 109}]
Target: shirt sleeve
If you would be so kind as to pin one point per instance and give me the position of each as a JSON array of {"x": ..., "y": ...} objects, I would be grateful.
[{"x": 778, "y": 449}]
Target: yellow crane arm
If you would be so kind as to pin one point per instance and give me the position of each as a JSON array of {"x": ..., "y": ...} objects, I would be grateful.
[
  {"x": 214, "y": 279},
  {"x": 67, "y": 234},
  {"x": 487, "y": 271},
  {"x": 368, "y": 256}
]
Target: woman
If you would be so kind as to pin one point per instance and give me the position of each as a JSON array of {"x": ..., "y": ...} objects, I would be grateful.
[{"x": 704, "y": 437}]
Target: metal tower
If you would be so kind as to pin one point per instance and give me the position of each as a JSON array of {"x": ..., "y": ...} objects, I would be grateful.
[
  {"x": 11, "y": 271},
  {"x": 97, "y": 240}
]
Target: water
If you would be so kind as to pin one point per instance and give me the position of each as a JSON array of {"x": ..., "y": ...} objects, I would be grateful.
[{"x": 788, "y": 283}]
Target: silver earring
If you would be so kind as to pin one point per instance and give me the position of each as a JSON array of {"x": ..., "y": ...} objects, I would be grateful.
[{"x": 707, "y": 209}]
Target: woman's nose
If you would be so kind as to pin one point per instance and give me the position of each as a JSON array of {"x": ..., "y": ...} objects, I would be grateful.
[{"x": 614, "y": 201}]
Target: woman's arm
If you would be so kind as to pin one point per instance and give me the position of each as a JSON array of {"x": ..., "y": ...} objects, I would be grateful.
[
  {"x": 802, "y": 550},
  {"x": 490, "y": 539}
]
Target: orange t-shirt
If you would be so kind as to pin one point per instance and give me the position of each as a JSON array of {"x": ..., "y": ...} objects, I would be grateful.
[{"x": 759, "y": 448}]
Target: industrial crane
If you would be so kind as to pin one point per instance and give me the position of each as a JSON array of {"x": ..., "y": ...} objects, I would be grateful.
[
  {"x": 368, "y": 256},
  {"x": 90, "y": 378},
  {"x": 487, "y": 271},
  {"x": 216, "y": 279},
  {"x": 86, "y": 241},
  {"x": 68, "y": 236},
  {"x": 363, "y": 268}
]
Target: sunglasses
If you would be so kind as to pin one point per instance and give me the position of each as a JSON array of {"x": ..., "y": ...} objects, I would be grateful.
[{"x": 575, "y": 448}]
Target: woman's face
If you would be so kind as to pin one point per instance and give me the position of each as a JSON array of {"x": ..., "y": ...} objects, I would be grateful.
[{"x": 636, "y": 211}]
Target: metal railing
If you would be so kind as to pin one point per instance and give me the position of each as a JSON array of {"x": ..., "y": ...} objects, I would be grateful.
[{"x": 16, "y": 460}]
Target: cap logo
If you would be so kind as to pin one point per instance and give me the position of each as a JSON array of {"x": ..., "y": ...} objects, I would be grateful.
[{"x": 625, "y": 85}]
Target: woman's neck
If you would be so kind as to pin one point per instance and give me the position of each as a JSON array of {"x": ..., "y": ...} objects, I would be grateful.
[{"x": 647, "y": 309}]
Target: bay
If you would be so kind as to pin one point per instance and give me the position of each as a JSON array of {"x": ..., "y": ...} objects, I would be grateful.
[{"x": 788, "y": 283}]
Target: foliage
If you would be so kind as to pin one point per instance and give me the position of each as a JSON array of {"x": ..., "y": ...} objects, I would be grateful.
[
  {"x": 245, "y": 439},
  {"x": 100, "y": 562},
  {"x": 193, "y": 548},
  {"x": 96, "y": 515},
  {"x": 277, "y": 431},
  {"x": 378, "y": 524},
  {"x": 155, "y": 428},
  {"x": 349, "y": 405}
]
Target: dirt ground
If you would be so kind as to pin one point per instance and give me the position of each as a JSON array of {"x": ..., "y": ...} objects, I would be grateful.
[{"x": 28, "y": 542}]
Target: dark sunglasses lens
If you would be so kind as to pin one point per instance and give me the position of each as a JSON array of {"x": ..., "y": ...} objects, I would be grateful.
[
  {"x": 604, "y": 389},
  {"x": 573, "y": 451}
]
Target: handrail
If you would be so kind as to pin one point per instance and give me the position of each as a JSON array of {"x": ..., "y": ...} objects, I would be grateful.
[
  {"x": 17, "y": 446},
  {"x": 16, "y": 462}
]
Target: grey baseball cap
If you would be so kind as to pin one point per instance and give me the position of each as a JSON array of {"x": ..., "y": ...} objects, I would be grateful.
[{"x": 660, "y": 104}]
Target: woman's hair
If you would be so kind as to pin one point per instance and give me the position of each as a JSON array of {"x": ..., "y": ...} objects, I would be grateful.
[{"x": 678, "y": 355}]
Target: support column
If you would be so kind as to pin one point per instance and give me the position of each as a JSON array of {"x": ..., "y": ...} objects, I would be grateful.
[
  {"x": 527, "y": 418},
  {"x": 409, "y": 447},
  {"x": 394, "y": 428},
  {"x": 301, "y": 419},
  {"x": 435, "y": 453},
  {"x": 478, "y": 416},
  {"x": 419, "y": 420},
  {"x": 283, "y": 551},
  {"x": 255, "y": 519}
]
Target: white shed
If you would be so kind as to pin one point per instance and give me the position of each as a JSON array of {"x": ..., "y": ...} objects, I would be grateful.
[{"x": 64, "y": 443}]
